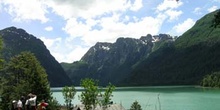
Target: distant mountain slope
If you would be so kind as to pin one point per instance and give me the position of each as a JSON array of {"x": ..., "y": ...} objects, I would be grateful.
[
  {"x": 113, "y": 62},
  {"x": 193, "y": 55},
  {"x": 18, "y": 40},
  {"x": 202, "y": 31}
]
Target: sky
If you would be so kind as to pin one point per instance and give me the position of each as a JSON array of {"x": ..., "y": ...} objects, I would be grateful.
[{"x": 69, "y": 28}]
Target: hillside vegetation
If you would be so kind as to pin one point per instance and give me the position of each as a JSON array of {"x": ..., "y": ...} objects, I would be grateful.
[
  {"x": 154, "y": 60},
  {"x": 17, "y": 40},
  {"x": 192, "y": 56}
]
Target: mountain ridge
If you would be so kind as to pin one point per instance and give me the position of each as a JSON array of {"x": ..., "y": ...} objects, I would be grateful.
[
  {"x": 169, "y": 60},
  {"x": 192, "y": 56},
  {"x": 113, "y": 62},
  {"x": 16, "y": 40}
]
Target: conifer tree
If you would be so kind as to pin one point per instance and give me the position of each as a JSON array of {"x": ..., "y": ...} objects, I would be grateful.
[
  {"x": 136, "y": 106},
  {"x": 24, "y": 75}
]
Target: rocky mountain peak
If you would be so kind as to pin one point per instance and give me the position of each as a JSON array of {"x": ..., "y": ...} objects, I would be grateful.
[
  {"x": 146, "y": 39},
  {"x": 111, "y": 61},
  {"x": 102, "y": 45}
]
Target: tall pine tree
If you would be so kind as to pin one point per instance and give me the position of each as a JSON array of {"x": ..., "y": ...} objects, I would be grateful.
[{"x": 24, "y": 75}]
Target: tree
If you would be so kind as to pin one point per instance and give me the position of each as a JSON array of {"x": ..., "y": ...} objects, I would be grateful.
[
  {"x": 211, "y": 80},
  {"x": 68, "y": 94},
  {"x": 135, "y": 106},
  {"x": 53, "y": 104},
  {"x": 1, "y": 59},
  {"x": 23, "y": 75},
  {"x": 89, "y": 96},
  {"x": 1, "y": 69},
  {"x": 216, "y": 21},
  {"x": 107, "y": 94}
]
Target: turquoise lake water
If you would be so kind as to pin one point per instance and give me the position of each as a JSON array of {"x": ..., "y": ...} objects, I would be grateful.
[{"x": 161, "y": 97}]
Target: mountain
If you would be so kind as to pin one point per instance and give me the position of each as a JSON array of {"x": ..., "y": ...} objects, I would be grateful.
[
  {"x": 192, "y": 56},
  {"x": 153, "y": 60},
  {"x": 113, "y": 62},
  {"x": 17, "y": 40}
]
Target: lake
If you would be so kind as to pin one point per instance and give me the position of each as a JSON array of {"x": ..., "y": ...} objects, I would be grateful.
[{"x": 164, "y": 97}]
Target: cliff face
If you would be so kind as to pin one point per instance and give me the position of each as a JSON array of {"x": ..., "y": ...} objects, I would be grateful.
[
  {"x": 113, "y": 62},
  {"x": 17, "y": 40}
]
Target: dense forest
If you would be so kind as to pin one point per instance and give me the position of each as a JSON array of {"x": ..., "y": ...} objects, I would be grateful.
[{"x": 192, "y": 56}]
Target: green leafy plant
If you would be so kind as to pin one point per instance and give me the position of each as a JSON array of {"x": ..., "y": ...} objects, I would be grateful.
[
  {"x": 68, "y": 94},
  {"x": 90, "y": 94},
  {"x": 211, "y": 80},
  {"x": 53, "y": 104},
  {"x": 107, "y": 95}
]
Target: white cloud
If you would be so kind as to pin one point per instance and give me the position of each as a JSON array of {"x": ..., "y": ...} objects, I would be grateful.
[
  {"x": 75, "y": 28},
  {"x": 24, "y": 10},
  {"x": 75, "y": 54},
  {"x": 168, "y": 8},
  {"x": 64, "y": 51},
  {"x": 50, "y": 42},
  {"x": 197, "y": 11},
  {"x": 127, "y": 18},
  {"x": 183, "y": 27},
  {"x": 213, "y": 8},
  {"x": 49, "y": 28},
  {"x": 169, "y": 4},
  {"x": 111, "y": 28},
  {"x": 70, "y": 56},
  {"x": 173, "y": 14},
  {"x": 66, "y": 54},
  {"x": 87, "y": 8},
  {"x": 137, "y": 5}
]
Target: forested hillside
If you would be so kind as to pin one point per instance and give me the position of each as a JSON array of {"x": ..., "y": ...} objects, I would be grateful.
[
  {"x": 113, "y": 62},
  {"x": 192, "y": 56},
  {"x": 17, "y": 40},
  {"x": 165, "y": 60}
]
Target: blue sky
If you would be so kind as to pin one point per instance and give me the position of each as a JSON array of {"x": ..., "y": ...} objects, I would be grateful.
[{"x": 70, "y": 27}]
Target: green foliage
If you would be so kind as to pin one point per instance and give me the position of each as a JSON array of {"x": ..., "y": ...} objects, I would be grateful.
[
  {"x": 216, "y": 21},
  {"x": 211, "y": 80},
  {"x": 90, "y": 94},
  {"x": 76, "y": 71},
  {"x": 107, "y": 95},
  {"x": 1, "y": 59},
  {"x": 76, "y": 64},
  {"x": 68, "y": 94},
  {"x": 53, "y": 104},
  {"x": 202, "y": 31},
  {"x": 24, "y": 75},
  {"x": 135, "y": 106},
  {"x": 192, "y": 56},
  {"x": 18, "y": 40},
  {"x": 161, "y": 44}
]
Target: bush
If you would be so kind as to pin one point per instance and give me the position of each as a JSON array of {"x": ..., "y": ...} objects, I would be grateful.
[{"x": 135, "y": 106}]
